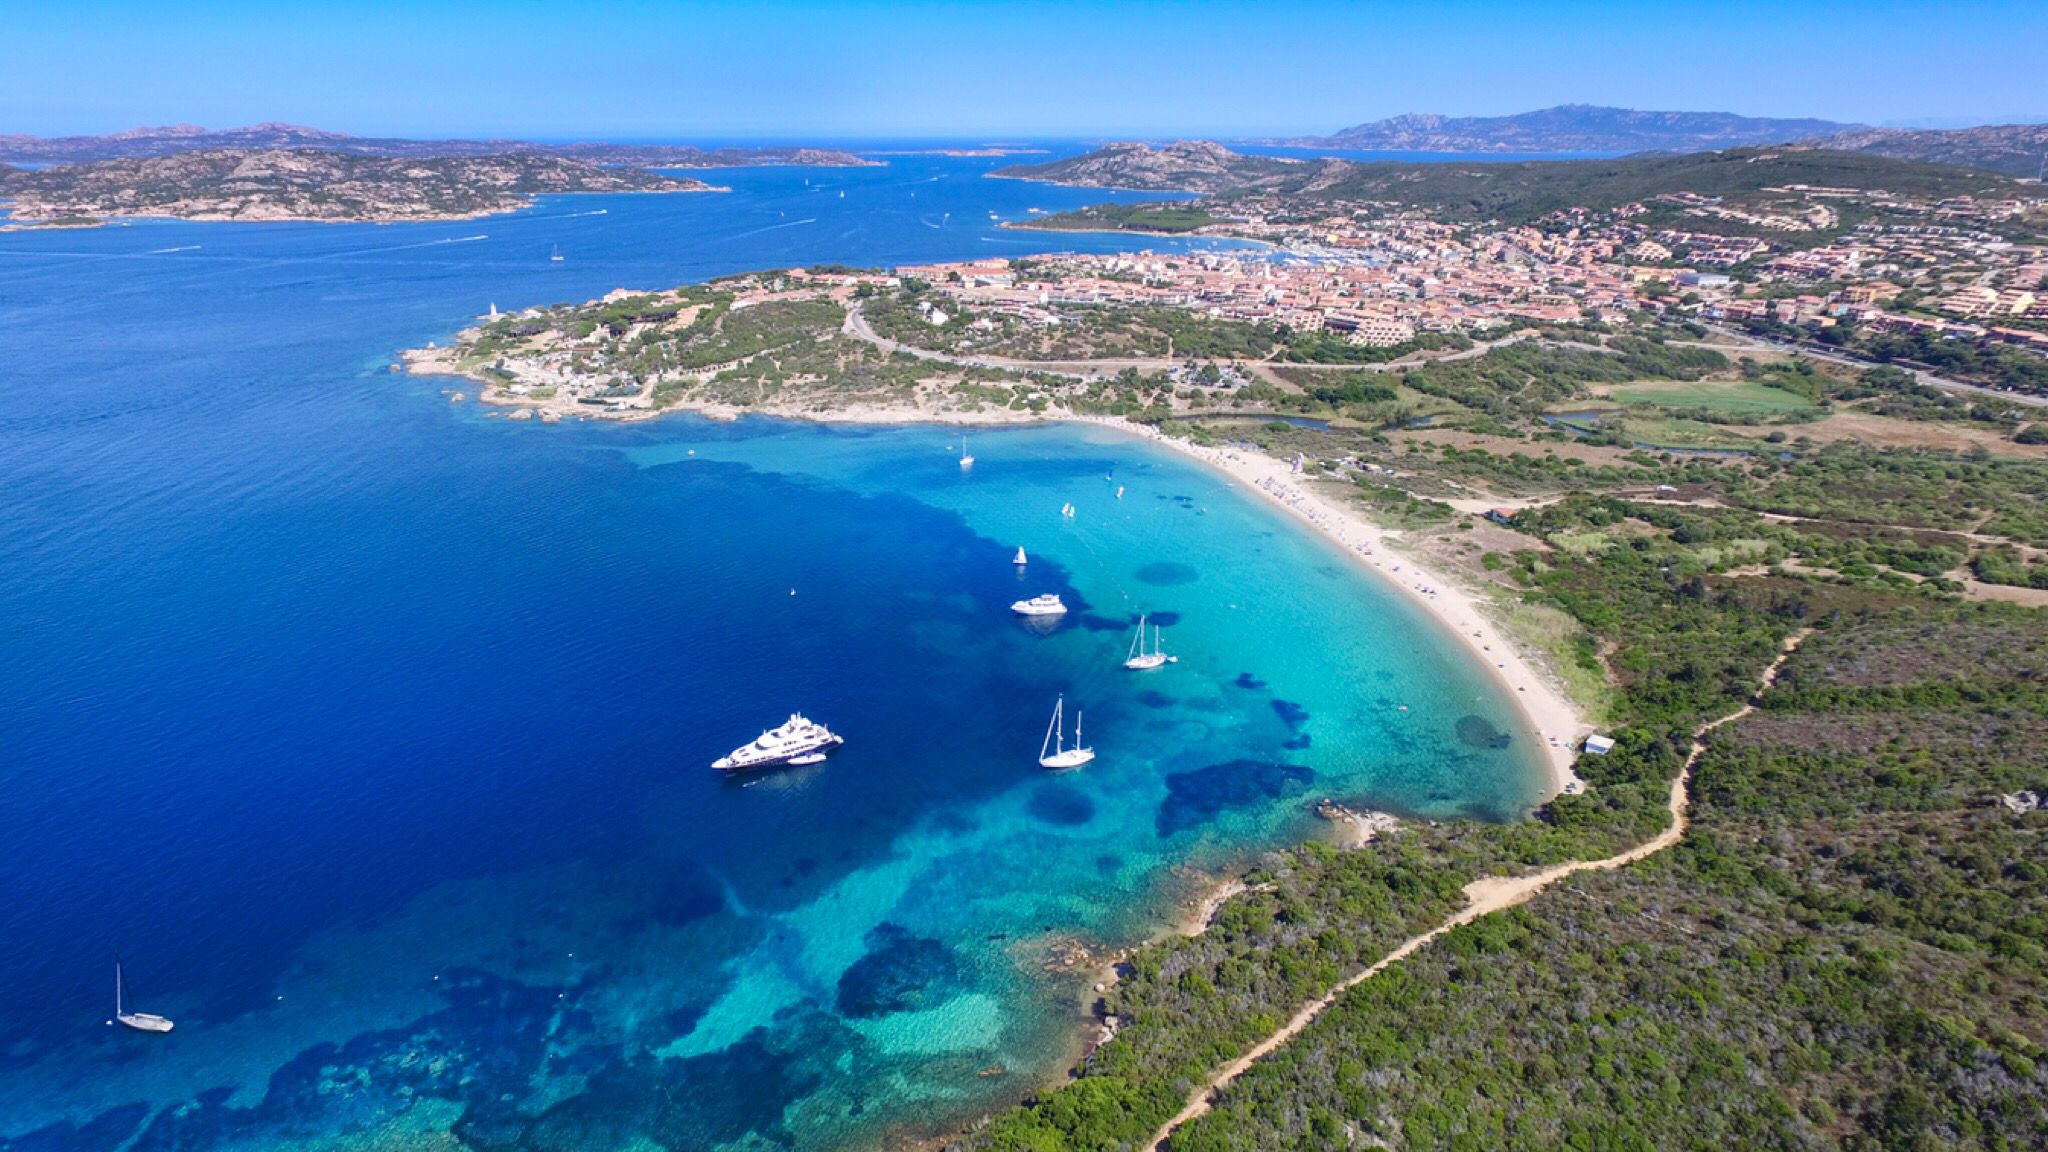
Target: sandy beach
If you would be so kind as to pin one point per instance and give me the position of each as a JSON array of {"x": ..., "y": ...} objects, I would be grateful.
[{"x": 1547, "y": 715}]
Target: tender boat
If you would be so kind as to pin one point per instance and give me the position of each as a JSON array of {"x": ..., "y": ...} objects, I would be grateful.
[
  {"x": 1139, "y": 660},
  {"x": 1054, "y": 753},
  {"x": 795, "y": 741},
  {"x": 1046, "y": 605},
  {"x": 140, "y": 1021}
]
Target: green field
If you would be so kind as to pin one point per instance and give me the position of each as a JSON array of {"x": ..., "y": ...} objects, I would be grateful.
[
  {"x": 1735, "y": 396},
  {"x": 1668, "y": 432}
]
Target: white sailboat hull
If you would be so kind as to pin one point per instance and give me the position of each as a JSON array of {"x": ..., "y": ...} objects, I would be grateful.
[
  {"x": 1071, "y": 758},
  {"x": 1147, "y": 661},
  {"x": 144, "y": 1022}
]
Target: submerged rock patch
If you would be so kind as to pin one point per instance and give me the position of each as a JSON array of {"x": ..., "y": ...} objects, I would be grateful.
[
  {"x": 1061, "y": 805},
  {"x": 1197, "y": 797},
  {"x": 1166, "y": 573},
  {"x": 900, "y": 973},
  {"x": 1479, "y": 732}
]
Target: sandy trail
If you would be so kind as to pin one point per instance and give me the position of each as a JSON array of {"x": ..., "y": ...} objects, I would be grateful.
[{"x": 1483, "y": 897}]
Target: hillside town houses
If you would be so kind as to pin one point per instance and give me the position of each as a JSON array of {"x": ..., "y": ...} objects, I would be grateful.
[{"x": 1380, "y": 275}]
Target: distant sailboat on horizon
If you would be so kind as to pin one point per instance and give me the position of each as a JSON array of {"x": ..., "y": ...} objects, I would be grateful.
[
  {"x": 1020, "y": 561},
  {"x": 140, "y": 1021},
  {"x": 1053, "y": 752},
  {"x": 966, "y": 458},
  {"x": 556, "y": 256}
]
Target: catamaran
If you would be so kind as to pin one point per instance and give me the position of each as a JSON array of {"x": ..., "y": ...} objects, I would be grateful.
[
  {"x": 1047, "y": 605},
  {"x": 794, "y": 741},
  {"x": 966, "y": 460},
  {"x": 1138, "y": 660},
  {"x": 140, "y": 1021},
  {"x": 1054, "y": 753},
  {"x": 1020, "y": 561}
]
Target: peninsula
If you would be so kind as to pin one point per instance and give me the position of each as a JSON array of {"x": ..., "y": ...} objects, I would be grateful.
[{"x": 1733, "y": 463}]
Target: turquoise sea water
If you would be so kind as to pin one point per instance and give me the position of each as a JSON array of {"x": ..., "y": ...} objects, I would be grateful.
[{"x": 372, "y": 733}]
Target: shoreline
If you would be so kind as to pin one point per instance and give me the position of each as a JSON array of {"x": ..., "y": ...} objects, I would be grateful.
[
  {"x": 1545, "y": 715},
  {"x": 1549, "y": 718}
]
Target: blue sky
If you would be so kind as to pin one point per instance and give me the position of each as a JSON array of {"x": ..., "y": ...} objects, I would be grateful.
[{"x": 820, "y": 70}]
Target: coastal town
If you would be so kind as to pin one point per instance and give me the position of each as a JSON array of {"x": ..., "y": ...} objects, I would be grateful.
[{"x": 1380, "y": 275}]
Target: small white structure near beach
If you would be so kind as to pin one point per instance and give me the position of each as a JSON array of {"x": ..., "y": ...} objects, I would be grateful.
[{"x": 1599, "y": 745}]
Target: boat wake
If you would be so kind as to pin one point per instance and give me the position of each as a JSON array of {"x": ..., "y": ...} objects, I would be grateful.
[{"x": 773, "y": 227}]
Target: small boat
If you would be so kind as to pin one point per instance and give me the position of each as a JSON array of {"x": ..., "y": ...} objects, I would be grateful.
[
  {"x": 1054, "y": 753},
  {"x": 806, "y": 759},
  {"x": 140, "y": 1021},
  {"x": 793, "y": 741},
  {"x": 556, "y": 256},
  {"x": 1020, "y": 561},
  {"x": 1046, "y": 605},
  {"x": 966, "y": 460},
  {"x": 1067, "y": 510},
  {"x": 1139, "y": 660}
]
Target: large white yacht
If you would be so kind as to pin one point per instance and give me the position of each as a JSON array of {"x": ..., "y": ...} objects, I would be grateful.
[
  {"x": 795, "y": 740},
  {"x": 1046, "y": 605}
]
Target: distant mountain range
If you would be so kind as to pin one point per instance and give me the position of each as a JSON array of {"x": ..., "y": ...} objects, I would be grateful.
[
  {"x": 140, "y": 143},
  {"x": 2013, "y": 149},
  {"x": 1574, "y": 128}
]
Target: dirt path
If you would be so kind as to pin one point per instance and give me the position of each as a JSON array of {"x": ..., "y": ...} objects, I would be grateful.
[{"x": 1483, "y": 897}]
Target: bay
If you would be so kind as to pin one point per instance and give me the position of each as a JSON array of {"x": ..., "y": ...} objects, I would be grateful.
[{"x": 372, "y": 733}]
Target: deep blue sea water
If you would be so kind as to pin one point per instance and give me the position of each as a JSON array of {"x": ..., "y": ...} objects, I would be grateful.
[{"x": 372, "y": 733}]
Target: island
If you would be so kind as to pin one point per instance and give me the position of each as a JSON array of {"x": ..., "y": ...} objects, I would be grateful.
[
  {"x": 142, "y": 143},
  {"x": 286, "y": 172},
  {"x": 309, "y": 185},
  {"x": 1572, "y": 128},
  {"x": 2011, "y": 149}
]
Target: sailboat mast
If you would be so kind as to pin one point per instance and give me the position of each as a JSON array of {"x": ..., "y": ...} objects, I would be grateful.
[
  {"x": 1051, "y": 728},
  {"x": 117, "y": 988}
]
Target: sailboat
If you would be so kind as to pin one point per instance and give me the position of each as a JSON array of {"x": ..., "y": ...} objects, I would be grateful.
[
  {"x": 1140, "y": 660},
  {"x": 1062, "y": 756},
  {"x": 140, "y": 1021},
  {"x": 1067, "y": 510},
  {"x": 966, "y": 460},
  {"x": 1020, "y": 561},
  {"x": 556, "y": 257}
]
